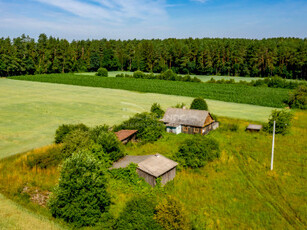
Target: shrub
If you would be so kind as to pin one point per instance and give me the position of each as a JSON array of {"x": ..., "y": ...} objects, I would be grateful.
[
  {"x": 171, "y": 215},
  {"x": 138, "y": 214},
  {"x": 156, "y": 108},
  {"x": 95, "y": 132},
  {"x": 81, "y": 196},
  {"x": 199, "y": 103},
  {"x": 148, "y": 126},
  {"x": 138, "y": 74},
  {"x": 102, "y": 72},
  {"x": 298, "y": 98},
  {"x": 195, "y": 152},
  {"x": 63, "y": 130},
  {"x": 110, "y": 145},
  {"x": 75, "y": 141},
  {"x": 169, "y": 75},
  {"x": 179, "y": 105},
  {"x": 283, "y": 122},
  {"x": 231, "y": 127}
]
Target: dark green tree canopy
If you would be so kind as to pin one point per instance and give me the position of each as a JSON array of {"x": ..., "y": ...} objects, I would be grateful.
[
  {"x": 298, "y": 98},
  {"x": 284, "y": 57},
  {"x": 199, "y": 104}
]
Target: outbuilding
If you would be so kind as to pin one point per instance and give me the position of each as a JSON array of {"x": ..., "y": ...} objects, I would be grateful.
[
  {"x": 253, "y": 128},
  {"x": 150, "y": 167},
  {"x": 126, "y": 136}
]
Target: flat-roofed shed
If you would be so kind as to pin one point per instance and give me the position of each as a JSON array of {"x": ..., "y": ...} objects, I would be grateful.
[{"x": 254, "y": 128}]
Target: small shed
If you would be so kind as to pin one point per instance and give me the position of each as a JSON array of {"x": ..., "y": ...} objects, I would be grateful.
[
  {"x": 157, "y": 166},
  {"x": 126, "y": 136},
  {"x": 253, "y": 128}
]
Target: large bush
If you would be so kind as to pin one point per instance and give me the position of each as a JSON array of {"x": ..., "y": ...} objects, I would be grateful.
[
  {"x": 138, "y": 215},
  {"x": 148, "y": 125},
  {"x": 283, "y": 122},
  {"x": 196, "y": 151},
  {"x": 63, "y": 130},
  {"x": 102, "y": 72},
  {"x": 199, "y": 103},
  {"x": 171, "y": 215},
  {"x": 156, "y": 108},
  {"x": 298, "y": 98},
  {"x": 110, "y": 145},
  {"x": 138, "y": 74},
  {"x": 81, "y": 196}
]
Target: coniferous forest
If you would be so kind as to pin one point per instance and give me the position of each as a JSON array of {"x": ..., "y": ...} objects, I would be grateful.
[{"x": 285, "y": 57}]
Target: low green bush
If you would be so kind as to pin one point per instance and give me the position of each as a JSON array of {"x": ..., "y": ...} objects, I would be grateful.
[
  {"x": 196, "y": 151},
  {"x": 102, "y": 72},
  {"x": 81, "y": 195}
]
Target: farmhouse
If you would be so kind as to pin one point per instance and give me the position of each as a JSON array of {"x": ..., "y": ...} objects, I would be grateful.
[
  {"x": 126, "y": 136},
  {"x": 151, "y": 167},
  {"x": 188, "y": 121}
]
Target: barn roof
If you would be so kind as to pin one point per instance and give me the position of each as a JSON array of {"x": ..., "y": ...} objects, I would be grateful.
[
  {"x": 156, "y": 165},
  {"x": 124, "y": 134},
  {"x": 125, "y": 161},
  {"x": 189, "y": 117}
]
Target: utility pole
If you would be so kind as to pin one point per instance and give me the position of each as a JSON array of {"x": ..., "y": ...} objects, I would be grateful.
[{"x": 272, "y": 158}]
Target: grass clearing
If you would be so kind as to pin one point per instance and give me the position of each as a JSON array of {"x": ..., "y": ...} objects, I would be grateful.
[
  {"x": 32, "y": 111},
  {"x": 237, "y": 93}
]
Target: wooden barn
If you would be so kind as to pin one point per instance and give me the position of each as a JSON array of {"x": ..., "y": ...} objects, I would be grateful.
[
  {"x": 126, "y": 136},
  {"x": 150, "y": 167},
  {"x": 188, "y": 121},
  {"x": 157, "y": 166}
]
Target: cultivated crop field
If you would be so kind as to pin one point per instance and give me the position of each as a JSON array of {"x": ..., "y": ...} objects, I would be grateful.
[
  {"x": 32, "y": 111},
  {"x": 264, "y": 96}
]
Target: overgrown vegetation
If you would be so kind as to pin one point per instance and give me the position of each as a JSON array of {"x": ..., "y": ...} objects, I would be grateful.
[
  {"x": 197, "y": 151},
  {"x": 237, "y": 93},
  {"x": 283, "y": 121},
  {"x": 298, "y": 98},
  {"x": 148, "y": 125},
  {"x": 156, "y": 108}
]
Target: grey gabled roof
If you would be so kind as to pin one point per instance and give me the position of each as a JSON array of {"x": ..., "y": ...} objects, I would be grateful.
[
  {"x": 156, "y": 165},
  {"x": 189, "y": 117}
]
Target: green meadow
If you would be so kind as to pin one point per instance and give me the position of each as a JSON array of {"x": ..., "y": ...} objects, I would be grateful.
[{"x": 30, "y": 112}]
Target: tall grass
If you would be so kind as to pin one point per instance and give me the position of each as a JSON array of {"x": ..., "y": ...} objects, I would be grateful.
[{"x": 224, "y": 92}]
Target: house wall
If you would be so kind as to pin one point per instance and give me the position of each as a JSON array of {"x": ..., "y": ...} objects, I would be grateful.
[
  {"x": 191, "y": 129},
  {"x": 175, "y": 130},
  {"x": 166, "y": 177}
]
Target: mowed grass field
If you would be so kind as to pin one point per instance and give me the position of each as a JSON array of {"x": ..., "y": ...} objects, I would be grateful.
[{"x": 30, "y": 112}]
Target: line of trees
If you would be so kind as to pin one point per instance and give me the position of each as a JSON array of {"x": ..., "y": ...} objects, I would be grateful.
[{"x": 286, "y": 57}]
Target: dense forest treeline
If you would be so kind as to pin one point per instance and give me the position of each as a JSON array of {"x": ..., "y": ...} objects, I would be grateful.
[{"x": 286, "y": 57}]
